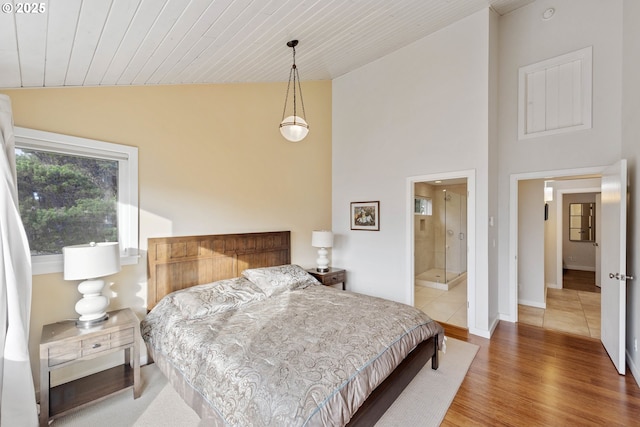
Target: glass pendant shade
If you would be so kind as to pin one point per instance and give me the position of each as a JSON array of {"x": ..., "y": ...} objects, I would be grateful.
[{"x": 294, "y": 128}]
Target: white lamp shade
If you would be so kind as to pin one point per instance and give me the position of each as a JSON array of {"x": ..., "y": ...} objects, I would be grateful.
[
  {"x": 548, "y": 194},
  {"x": 322, "y": 239},
  {"x": 294, "y": 128},
  {"x": 91, "y": 260}
]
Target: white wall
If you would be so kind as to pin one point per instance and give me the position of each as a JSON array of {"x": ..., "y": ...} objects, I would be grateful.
[
  {"x": 421, "y": 110},
  {"x": 525, "y": 39},
  {"x": 631, "y": 151},
  {"x": 531, "y": 285}
]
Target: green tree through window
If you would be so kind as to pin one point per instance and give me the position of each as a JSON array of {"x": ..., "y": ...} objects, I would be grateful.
[{"x": 66, "y": 200}]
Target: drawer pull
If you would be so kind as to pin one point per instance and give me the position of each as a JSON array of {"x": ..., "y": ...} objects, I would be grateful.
[{"x": 96, "y": 345}]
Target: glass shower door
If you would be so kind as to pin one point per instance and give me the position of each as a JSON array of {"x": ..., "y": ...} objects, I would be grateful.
[{"x": 456, "y": 235}]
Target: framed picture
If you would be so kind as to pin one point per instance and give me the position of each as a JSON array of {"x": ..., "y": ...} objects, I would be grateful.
[{"x": 365, "y": 216}]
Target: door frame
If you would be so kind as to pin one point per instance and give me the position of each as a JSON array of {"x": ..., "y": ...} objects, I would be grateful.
[
  {"x": 470, "y": 176},
  {"x": 513, "y": 224}
]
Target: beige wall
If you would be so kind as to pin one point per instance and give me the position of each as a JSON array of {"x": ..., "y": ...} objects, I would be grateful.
[{"x": 211, "y": 160}]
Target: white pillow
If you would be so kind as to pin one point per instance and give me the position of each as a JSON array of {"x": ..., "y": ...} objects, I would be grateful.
[{"x": 281, "y": 278}]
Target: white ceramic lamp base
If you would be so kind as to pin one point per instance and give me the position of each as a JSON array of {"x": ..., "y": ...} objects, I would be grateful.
[
  {"x": 322, "y": 260},
  {"x": 92, "y": 307}
]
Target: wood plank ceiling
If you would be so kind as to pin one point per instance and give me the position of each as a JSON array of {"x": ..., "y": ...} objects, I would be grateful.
[{"x": 147, "y": 42}]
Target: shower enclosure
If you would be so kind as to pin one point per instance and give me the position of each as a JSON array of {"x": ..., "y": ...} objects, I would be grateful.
[{"x": 440, "y": 235}]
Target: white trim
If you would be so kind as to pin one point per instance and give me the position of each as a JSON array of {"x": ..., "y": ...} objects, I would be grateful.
[
  {"x": 632, "y": 367},
  {"x": 529, "y": 303},
  {"x": 580, "y": 267},
  {"x": 127, "y": 187},
  {"x": 486, "y": 334},
  {"x": 470, "y": 176},
  {"x": 552, "y": 286},
  {"x": 513, "y": 223}
]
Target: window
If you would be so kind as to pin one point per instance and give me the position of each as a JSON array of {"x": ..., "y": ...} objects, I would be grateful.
[
  {"x": 423, "y": 206},
  {"x": 75, "y": 190}
]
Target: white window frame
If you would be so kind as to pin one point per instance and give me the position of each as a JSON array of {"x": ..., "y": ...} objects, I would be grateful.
[{"x": 128, "y": 213}]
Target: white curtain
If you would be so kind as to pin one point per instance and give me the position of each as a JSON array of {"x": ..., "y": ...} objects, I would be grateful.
[{"x": 17, "y": 396}]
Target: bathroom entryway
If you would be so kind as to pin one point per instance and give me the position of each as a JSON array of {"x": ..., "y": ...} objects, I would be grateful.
[{"x": 440, "y": 250}]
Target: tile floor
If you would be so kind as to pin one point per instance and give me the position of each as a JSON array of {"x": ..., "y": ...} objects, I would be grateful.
[
  {"x": 444, "y": 306},
  {"x": 568, "y": 310}
]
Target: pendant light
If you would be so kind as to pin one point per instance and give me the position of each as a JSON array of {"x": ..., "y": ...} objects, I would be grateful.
[{"x": 293, "y": 127}]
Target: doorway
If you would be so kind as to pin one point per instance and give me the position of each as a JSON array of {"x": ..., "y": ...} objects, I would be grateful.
[
  {"x": 568, "y": 299},
  {"x": 441, "y": 236}
]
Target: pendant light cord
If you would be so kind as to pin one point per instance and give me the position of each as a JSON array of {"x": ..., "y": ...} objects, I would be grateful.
[{"x": 293, "y": 74}]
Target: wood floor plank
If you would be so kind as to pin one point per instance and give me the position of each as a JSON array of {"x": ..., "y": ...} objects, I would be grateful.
[
  {"x": 529, "y": 376},
  {"x": 580, "y": 280}
]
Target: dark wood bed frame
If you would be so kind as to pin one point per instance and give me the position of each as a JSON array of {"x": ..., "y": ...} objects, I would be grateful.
[{"x": 180, "y": 262}]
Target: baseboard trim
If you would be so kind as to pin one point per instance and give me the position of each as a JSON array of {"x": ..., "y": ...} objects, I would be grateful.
[
  {"x": 633, "y": 368},
  {"x": 580, "y": 267},
  {"x": 532, "y": 303}
]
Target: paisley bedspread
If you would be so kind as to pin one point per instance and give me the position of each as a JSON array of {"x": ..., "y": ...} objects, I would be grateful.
[{"x": 273, "y": 352}]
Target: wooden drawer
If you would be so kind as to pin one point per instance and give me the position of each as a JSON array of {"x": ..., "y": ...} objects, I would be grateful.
[
  {"x": 107, "y": 341},
  {"x": 64, "y": 352},
  {"x": 333, "y": 278},
  {"x": 95, "y": 345},
  {"x": 121, "y": 338},
  {"x": 67, "y": 351}
]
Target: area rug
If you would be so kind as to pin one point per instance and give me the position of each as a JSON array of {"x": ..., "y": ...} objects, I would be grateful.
[{"x": 423, "y": 403}]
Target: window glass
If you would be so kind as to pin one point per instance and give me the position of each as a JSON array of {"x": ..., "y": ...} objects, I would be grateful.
[{"x": 66, "y": 200}]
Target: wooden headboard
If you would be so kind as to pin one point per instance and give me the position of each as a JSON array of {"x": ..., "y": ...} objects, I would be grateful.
[{"x": 180, "y": 262}]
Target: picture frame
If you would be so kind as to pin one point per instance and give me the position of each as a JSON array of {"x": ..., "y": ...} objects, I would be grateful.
[{"x": 365, "y": 216}]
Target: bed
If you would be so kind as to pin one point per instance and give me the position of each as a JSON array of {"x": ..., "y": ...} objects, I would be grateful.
[{"x": 247, "y": 338}]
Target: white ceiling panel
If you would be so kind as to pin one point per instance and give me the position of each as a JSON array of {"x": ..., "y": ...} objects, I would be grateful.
[
  {"x": 161, "y": 29},
  {"x": 142, "y": 21},
  {"x": 147, "y": 42},
  {"x": 116, "y": 26},
  {"x": 31, "y": 31},
  {"x": 9, "y": 59},
  {"x": 61, "y": 32},
  {"x": 89, "y": 30}
]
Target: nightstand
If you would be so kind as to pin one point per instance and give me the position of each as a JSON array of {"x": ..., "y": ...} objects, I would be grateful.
[
  {"x": 331, "y": 277},
  {"x": 63, "y": 344}
]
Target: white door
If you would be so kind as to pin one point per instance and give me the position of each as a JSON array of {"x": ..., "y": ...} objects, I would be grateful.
[
  {"x": 613, "y": 257},
  {"x": 598, "y": 232}
]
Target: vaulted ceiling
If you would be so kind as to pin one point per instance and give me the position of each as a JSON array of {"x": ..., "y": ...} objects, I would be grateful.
[{"x": 145, "y": 42}]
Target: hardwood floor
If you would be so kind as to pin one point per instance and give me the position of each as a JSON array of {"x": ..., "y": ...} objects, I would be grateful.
[
  {"x": 529, "y": 376},
  {"x": 580, "y": 281}
]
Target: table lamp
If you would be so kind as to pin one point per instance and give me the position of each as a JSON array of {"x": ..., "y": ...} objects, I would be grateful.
[
  {"x": 322, "y": 239},
  {"x": 89, "y": 262}
]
